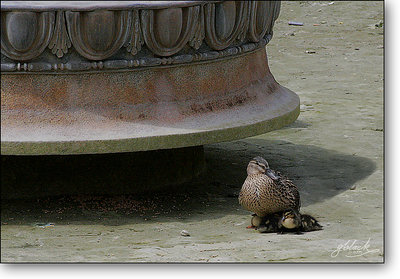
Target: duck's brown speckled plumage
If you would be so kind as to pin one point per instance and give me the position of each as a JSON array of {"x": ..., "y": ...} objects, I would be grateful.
[{"x": 264, "y": 195}]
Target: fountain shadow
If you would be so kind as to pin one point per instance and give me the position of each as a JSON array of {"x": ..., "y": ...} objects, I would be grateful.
[{"x": 319, "y": 173}]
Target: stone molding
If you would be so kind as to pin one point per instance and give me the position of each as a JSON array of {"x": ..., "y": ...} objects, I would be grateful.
[{"x": 113, "y": 38}]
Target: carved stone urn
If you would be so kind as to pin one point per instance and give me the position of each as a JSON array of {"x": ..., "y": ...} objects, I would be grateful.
[{"x": 111, "y": 76}]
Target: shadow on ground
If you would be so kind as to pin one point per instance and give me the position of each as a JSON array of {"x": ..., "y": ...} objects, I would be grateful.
[{"x": 319, "y": 173}]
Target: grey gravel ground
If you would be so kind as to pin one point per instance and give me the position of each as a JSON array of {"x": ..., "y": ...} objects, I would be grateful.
[{"x": 333, "y": 152}]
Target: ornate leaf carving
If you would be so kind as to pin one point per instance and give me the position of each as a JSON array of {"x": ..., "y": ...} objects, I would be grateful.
[
  {"x": 60, "y": 42},
  {"x": 135, "y": 39},
  {"x": 199, "y": 33},
  {"x": 99, "y": 34}
]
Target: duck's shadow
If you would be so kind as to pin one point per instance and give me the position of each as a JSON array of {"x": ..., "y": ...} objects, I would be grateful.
[{"x": 319, "y": 173}]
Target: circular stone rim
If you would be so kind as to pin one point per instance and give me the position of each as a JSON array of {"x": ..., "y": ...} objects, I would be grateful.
[
  {"x": 283, "y": 109},
  {"x": 96, "y": 5}
]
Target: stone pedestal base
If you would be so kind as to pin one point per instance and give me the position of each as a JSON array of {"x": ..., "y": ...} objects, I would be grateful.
[{"x": 109, "y": 174}]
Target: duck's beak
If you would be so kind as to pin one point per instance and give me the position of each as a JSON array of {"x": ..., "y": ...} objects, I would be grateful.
[{"x": 271, "y": 174}]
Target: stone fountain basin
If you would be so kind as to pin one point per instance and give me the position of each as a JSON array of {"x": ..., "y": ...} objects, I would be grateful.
[{"x": 164, "y": 75}]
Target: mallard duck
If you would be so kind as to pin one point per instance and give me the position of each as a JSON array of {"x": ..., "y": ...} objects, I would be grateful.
[{"x": 266, "y": 191}]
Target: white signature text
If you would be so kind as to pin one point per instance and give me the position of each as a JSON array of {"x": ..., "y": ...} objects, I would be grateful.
[{"x": 354, "y": 248}]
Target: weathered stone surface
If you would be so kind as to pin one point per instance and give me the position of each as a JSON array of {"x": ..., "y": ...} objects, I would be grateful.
[
  {"x": 173, "y": 107},
  {"x": 336, "y": 143},
  {"x": 144, "y": 76}
]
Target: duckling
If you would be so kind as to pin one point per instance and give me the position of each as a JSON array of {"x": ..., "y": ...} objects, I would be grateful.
[
  {"x": 255, "y": 221},
  {"x": 296, "y": 222},
  {"x": 309, "y": 223},
  {"x": 285, "y": 221},
  {"x": 266, "y": 191},
  {"x": 290, "y": 221},
  {"x": 269, "y": 224},
  {"x": 268, "y": 220}
]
